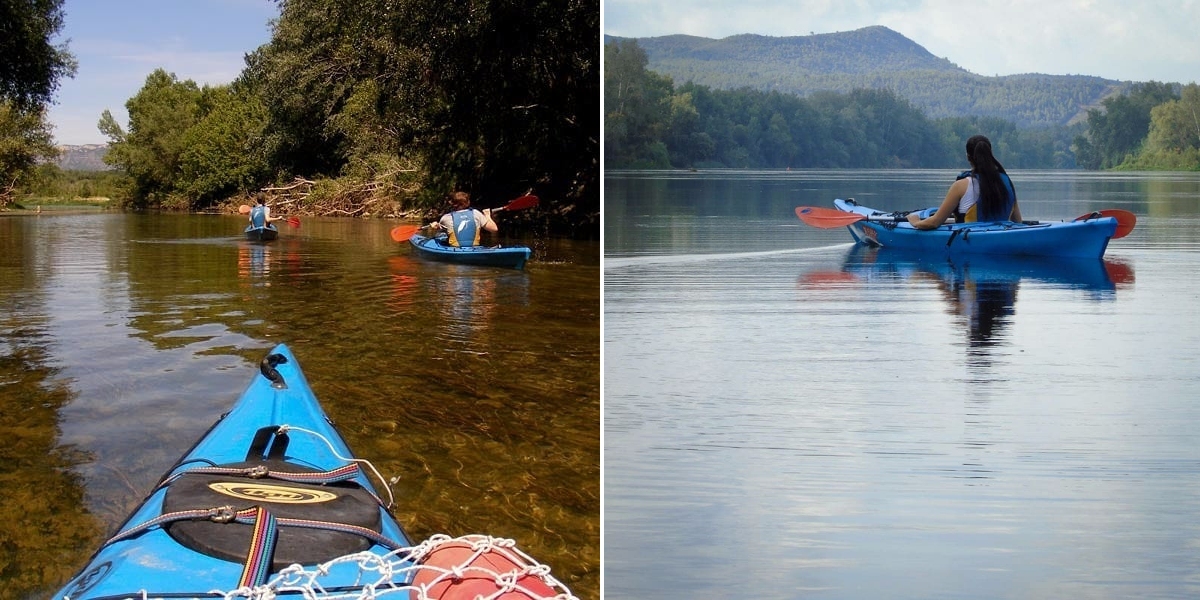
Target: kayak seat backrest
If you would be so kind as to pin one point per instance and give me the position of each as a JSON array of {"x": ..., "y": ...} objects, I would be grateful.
[{"x": 277, "y": 441}]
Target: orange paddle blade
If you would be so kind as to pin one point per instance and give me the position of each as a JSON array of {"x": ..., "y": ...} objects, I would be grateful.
[
  {"x": 294, "y": 222},
  {"x": 526, "y": 201},
  {"x": 827, "y": 218},
  {"x": 1126, "y": 220},
  {"x": 244, "y": 209},
  {"x": 403, "y": 232}
]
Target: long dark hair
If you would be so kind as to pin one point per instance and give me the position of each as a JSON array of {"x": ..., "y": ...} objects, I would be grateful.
[{"x": 993, "y": 193}]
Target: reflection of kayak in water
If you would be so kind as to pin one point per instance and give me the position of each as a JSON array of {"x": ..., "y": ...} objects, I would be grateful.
[{"x": 864, "y": 264}]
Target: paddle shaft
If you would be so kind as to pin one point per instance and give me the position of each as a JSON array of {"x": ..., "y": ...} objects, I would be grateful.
[
  {"x": 401, "y": 233},
  {"x": 829, "y": 218}
]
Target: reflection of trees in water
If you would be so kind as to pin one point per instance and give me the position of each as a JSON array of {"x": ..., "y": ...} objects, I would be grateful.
[{"x": 45, "y": 533}]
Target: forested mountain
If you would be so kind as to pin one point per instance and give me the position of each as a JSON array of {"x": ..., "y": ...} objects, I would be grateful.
[
  {"x": 873, "y": 58},
  {"x": 653, "y": 122}
]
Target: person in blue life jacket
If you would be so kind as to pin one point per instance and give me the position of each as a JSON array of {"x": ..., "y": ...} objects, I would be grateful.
[
  {"x": 985, "y": 193},
  {"x": 464, "y": 224},
  {"x": 260, "y": 215}
]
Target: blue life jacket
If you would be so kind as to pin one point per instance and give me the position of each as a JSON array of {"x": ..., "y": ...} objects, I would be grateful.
[
  {"x": 258, "y": 216},
  {"x": 1009, "y": 202},
  {"x": 464, "y": 232}
]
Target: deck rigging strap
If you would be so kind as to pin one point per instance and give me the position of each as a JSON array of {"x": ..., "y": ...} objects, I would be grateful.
[
  {"x": 248, "y": 516},
  {"x": 257, "y": 567},
  {"x": 342, "y": 473}
]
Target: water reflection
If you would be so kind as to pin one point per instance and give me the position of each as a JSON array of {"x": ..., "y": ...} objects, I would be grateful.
[
  {"x": 254, "y": 261},
  {"x": 125, "y": 334},
  {"x": 467, "y": 299},
  {"x": 980, "y": 291}
]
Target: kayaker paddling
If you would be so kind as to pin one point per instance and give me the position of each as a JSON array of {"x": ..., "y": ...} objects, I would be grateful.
[
  {"x": 464, "y": 224},
  {"x": 260, "y": 215},
  {"x": 985, "y": 193}
]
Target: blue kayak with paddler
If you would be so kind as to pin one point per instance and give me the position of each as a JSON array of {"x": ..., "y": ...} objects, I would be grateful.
[{"x": 1086, "y": 236}]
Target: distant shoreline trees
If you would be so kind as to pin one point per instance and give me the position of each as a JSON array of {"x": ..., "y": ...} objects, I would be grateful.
[{"x": 30, "y": 71}]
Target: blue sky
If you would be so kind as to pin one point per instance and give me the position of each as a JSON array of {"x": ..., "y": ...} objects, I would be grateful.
[
  {"x": 1139, "y": 40},
  {"x": 119, "y": 42}
]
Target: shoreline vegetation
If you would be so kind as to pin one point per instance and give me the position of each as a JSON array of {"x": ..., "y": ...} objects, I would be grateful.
[{"x": 351, "y": 110}]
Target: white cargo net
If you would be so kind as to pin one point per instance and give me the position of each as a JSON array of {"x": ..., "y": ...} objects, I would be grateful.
[{"x": 472, "y": 567}]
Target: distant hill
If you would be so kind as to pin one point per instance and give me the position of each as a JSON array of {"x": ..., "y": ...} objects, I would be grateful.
[
  {"x": 873, "y": 57},
  {"x": 88, "y": 157}
]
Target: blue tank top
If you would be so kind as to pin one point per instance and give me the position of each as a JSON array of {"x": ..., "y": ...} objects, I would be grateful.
[{"x": 258, "y": 216}]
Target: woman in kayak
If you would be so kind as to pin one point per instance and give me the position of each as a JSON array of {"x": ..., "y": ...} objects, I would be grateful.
[
  {"x": 463, "y": 223},
  {"x": 985, "y": 193}
]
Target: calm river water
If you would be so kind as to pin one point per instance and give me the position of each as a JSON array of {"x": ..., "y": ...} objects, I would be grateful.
[
  {"x": 123, "y": 337},
  {"x": 785, "y": 417}
]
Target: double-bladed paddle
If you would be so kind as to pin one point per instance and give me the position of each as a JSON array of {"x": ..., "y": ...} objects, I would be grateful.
[
  {"x": 830, "y": 218},
  {"x": 401, "y": 233},
  {"x": 292, "y": 221}
]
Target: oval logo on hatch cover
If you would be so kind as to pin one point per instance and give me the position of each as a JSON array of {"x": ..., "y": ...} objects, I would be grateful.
[{"x": 271, "y": 493}]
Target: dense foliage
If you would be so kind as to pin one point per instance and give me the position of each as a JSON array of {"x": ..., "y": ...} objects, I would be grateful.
[
  {"x": 650, "y": 123},
  {"x": 25, "y": 140},
  {"x": 30, "y": 66},
  {"x": 497, "y": 97},
  {"x": 1174, "y": 139},
  {"x": 30, "y": 69},
  {"x": 1153, "y": 127}
]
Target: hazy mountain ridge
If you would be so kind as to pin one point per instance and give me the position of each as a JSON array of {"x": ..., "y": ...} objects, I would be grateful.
[
  {"x": 86, "y": 157},
  {"x": 873, "y": 57}
]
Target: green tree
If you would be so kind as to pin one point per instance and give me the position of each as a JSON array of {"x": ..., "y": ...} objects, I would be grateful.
[
  {"x": 25, "y": 140},
  {"x": 30, "y": 69},
  {"x": 151, "y": 151},
  {"x": 320, "y": 53},
  {"x": 224, "y": 152},
  {"x": 516, "y": 93},
  {"x": 637, "y": 105},
  {"x": 494, "y": 96},
  {"x": 1174, "y": 139},
  {"x": 1118, "y": 131},
  {"x": 1175, "y": 125},
  {"x": 30, "y": 66}
]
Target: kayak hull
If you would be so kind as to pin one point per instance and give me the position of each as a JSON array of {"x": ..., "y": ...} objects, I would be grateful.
[
  {"x": 435, "y": 248},
  {"x": 165, "y": 561},
  {"x": 1087, "y": 238},
  {"x": 261, "y": 234}
]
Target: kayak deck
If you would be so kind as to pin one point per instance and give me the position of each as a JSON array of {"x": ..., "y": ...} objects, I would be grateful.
[
  {"x": 1086, "y": 237},
  {"x": 273, "y": 458}
]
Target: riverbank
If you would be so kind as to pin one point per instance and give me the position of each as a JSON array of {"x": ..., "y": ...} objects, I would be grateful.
[{"x": 57, "y": 206}]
